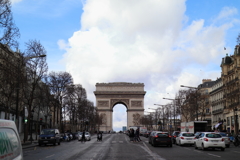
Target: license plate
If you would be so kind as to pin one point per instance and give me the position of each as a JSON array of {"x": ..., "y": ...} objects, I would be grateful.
[
  {"x": 189, "y": 139},
  {"x": 214, "y": 140}
]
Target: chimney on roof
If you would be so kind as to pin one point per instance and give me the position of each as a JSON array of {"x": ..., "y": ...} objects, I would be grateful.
[{"x": 206, "y": 80}]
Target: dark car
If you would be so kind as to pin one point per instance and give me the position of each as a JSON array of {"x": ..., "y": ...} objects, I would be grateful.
[
  {"x": 146, "y": 134},
  {"x": 49, "y": 136},
  {"x": 174, "y": 135},
  {"x": 157, "y": 138}
]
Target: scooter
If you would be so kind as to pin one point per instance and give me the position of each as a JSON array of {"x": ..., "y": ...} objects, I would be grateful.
[
  {"x": 66, "y": 138},
  {"x": 236, "y": 141},
  {"x": 99, "y": 137}
]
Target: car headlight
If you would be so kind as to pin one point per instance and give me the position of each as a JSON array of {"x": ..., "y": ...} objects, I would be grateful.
[{"x": 52, "y": 137}]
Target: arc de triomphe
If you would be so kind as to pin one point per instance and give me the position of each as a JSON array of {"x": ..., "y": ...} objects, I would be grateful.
[{"x": 131, "y": 95}]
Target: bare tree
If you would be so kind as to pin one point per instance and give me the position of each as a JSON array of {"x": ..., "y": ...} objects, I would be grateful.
[
  {"x": 58, "y": 83},
  {"x": 186, "y": 107},
  {"x": 8, "y": 31},
  {"x": 8, "y": 79},
  {"x": 36, "y": 70},
  {"x": 238, "y": 39}
]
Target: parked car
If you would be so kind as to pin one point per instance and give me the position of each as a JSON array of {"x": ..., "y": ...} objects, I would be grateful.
[
  {"x": 66, "y": 137},
  {"x": 209, "y": 140},
  {"x": 11, "y": 147},
  {"x": 75, "y": 135},
  {"x": 174, "y": 135},
  {"x": 226, "y": 139},
  {"x": 157, "y": 138},
  {"x": 49, "y": 136},
  {"x": 70, "y": 135},
  {"x": 87, "y": 136},
  {"x": 146, "y": 134},
  {"x": 185, "y": 138}
]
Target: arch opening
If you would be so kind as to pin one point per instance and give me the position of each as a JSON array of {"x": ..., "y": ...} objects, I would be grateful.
[{"x": 119, "y": 117}]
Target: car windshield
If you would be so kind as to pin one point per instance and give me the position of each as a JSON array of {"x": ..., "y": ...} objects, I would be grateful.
[
  {"x": 48, "y": 131},
  {"x": 188, "y": 134},
  {"x": 212, "y": 135},
  {"x": 162, "y": 134}
]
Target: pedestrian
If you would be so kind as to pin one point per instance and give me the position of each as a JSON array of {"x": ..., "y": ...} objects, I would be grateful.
[
  {"x": 138, "y": 135},
  {"x": 99, "y": 136},
  {"x": 131, "y": 135},
  {"x": 83, "y": 136}
]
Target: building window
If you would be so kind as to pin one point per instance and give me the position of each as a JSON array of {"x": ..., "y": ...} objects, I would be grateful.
[
  {"x": 232, "y": 120},
  {"x": 228, "y": 121}
]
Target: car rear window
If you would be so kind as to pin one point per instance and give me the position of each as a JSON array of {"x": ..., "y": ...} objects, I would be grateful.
[
  {"x": 212, "y": 135},
  {"x": 48, "y": 131},
  {"x": 162, "y": 134},
  {"x": 188, "y": 134}
]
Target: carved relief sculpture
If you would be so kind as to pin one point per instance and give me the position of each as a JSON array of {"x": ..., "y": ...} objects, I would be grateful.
[
  {"x": 136, "y": 103},
  {"x": 136, "y": 119},
  {"x": 104, "y": 118},
  {"x": 103, "y": 104}
]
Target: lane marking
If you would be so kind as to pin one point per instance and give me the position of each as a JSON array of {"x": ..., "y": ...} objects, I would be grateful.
[
  {"x": 214, "y": 155},
  {"x": 50, "y": 156},
  {"x": 153, "y": 155}
]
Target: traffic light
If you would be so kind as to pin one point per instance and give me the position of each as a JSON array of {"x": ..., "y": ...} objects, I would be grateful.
[
  {"x": 40, "y": 120},
  {"x": 25, "y": 120}
]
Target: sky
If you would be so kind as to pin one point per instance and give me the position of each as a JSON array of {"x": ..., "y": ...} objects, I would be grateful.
[{"x": 161, "y": 43}]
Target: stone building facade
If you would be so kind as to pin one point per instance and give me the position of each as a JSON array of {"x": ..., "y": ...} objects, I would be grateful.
[
  {"x": 131, "y": 95},
  {"x": 218, "y": 103},
  {"x": 230, "y": 76}
]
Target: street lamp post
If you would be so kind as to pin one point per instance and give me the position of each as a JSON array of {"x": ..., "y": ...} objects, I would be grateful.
[
  {"x": 196, "y": 89},
  {"x": 24, "y": 59}
]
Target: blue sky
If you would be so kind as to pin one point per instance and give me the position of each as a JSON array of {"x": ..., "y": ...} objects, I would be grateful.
[{"x": 163, "y": 44}]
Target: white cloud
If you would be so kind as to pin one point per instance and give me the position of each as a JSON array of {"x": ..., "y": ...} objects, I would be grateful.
[
  {"x": 15, "y": 1},
  {"x": 144, "y": 41}
]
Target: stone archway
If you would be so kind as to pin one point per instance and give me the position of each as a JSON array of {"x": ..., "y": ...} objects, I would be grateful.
[{"x": 131, "y": 95}]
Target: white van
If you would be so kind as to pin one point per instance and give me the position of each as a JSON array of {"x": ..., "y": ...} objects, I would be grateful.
[{"x": 11, "y": 147}]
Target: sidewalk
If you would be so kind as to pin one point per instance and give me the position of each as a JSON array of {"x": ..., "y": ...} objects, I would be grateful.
[{"x": 28, "y": 144}]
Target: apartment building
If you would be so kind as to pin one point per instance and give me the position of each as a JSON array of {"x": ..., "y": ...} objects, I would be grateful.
[
  {"x": 204, "y": 106},
  {"x": 230, "y": 76},
  {"x": 217, "y": 104}
]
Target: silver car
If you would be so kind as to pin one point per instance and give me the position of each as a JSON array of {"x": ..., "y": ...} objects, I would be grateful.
[
  {"x": 226, "y": 139},
  {"x": 87, "y": 136}
]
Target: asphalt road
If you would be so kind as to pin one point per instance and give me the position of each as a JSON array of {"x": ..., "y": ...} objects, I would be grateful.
[{"x": 118, "y": 147}]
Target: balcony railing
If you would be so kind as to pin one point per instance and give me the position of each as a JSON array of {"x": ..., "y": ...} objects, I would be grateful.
[
  {"x": 217, "y": 111},
  {"x": 233, "y": 105}
]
